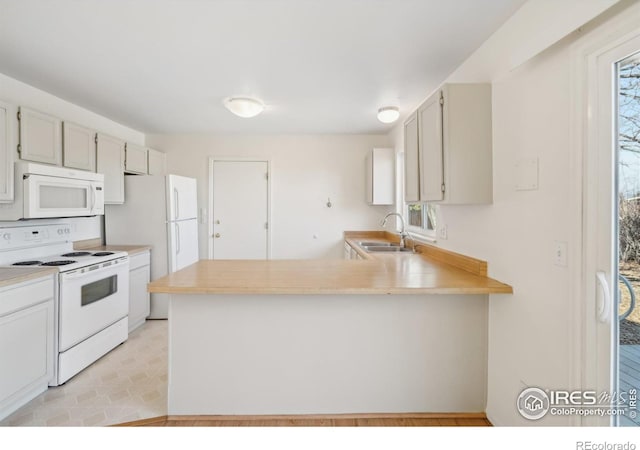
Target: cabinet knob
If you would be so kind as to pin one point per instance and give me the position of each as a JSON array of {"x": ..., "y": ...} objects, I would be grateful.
[{"x": 217, "y": 235}]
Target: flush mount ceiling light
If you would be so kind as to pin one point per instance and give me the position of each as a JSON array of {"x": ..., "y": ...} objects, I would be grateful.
[
  {"x": 388, "y": 114},
  {"x": 244, "y": 106}
]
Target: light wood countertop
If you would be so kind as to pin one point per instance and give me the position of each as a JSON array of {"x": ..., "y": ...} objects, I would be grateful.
[
  {"x": 130, "y": 249},
  {"x": 15, "y": 275},
  {"x": 398, "y": 273}
]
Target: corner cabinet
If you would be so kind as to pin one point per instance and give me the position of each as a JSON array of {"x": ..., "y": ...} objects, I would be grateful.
[
  {"x": 7, "y": 149},
  {"x": 78, "y": 147},
  {"x": 454, "y": 147},
  {"x": 110, "y": 163},
  {"x": 380, "y": 176},
  {"x": 40, "y": 137},
  {"x": 139, "y": 277},
  {"x": 135, "y": 159},
  {"x": 156, "y": 162}
]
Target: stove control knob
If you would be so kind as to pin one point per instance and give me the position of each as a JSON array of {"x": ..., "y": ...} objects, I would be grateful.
[
  {"x": 60, "y": 231},
  {"x": 6, "y": 236},
  {"x": 67, "y": 231}
]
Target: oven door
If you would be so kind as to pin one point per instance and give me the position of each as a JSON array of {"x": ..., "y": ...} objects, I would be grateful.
[
  {"x": 91, "y": 299},
  {"x": 47, "y": 196}
]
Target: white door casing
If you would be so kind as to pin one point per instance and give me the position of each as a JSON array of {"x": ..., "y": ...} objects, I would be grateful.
[{"x": 239, "y": 208}]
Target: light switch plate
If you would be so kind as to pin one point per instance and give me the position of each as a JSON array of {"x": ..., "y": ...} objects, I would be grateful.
[{"x": 527, "y": 174}]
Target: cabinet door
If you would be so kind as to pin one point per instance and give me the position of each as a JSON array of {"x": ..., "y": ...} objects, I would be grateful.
[
  {"x": 110, "y": 162},
  {"x": 7, "y": 147},
  {"x": 411, "y": 160},
  {"x": 26, "y": 348},
  {"x": 78, "y": 147},
  {"x": 381, "y": 169},
  {"x": 139, "y": 304},
  {"x": 135, "y": 159},
  {"x": 430, "y": 149},
  {"x": 40, "y": 138},
  {"x": 156, "y": 162}
]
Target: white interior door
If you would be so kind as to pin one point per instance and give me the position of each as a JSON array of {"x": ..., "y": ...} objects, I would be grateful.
[{"x": 240, "y": 205}]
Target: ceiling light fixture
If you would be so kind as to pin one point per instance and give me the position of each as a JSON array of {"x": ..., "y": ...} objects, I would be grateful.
[
  {"x": 244, "y": 106},
  {"x": 388, "y": 114}
]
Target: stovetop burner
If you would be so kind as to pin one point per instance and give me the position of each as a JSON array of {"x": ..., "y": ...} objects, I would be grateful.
[
  {"x": 101, "y": 254},
  {"x": 27, "y": 263},
  {"x": 75, "y": 254},
  {"x": 62, "y": 262}
]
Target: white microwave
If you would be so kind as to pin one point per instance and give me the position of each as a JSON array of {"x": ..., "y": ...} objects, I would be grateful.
[{"x": 49, "y": 191}]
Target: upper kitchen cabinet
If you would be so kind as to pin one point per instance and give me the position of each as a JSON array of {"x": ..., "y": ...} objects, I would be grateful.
[
  {"x": 380, "y": 176},
  {"x": 7, "y": 148},
  {"x": 430, "y": 149},
  {"x": 110, "y": 162},
  {"x": 78, "y": 147},
  {"x": 411, "y": 160},
  {"x": 135, "y": 159},
  {"x": 156, "y": 162},
  {"x": 40, "y": 139},
  {"x": 454, "y": 147}
]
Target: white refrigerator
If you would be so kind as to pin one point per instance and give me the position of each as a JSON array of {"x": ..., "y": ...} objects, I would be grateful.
[{"x": 161, "y": 211}]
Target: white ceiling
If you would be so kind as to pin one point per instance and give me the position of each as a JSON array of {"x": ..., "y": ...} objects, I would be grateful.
[{"x": 321, "y": 66}]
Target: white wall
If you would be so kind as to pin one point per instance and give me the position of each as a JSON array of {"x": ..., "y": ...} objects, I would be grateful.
[
  {"x": 21, "y": 94},
  {"x": 529, "y": 331},
  {"x": 306, "y": 170}
]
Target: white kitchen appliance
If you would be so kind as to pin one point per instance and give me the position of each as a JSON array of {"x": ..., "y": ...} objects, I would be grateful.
[
  {"x": 92, "y": 293},
  {"x": 43, "y": 191},
  {"x": 161, "y": 211}
]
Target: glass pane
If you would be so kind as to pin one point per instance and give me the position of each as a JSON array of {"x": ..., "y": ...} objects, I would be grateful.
[
  {"x": 628, "y": 172},
  {"x": 98, "y": 290},
  {"x": 63, "y": 197},
  {"x": 415, "y": 214},
  {"x": 431, "y": 217}
]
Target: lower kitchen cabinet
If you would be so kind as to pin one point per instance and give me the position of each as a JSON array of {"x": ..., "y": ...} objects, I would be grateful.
[
  {"x": 139, "y": 277},
  {"x": 26, "y": 341}
]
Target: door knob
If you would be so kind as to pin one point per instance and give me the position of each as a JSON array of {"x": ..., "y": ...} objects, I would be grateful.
[
  {"x": 217, "y": 235},
  {"x": 217, "y": 222}
]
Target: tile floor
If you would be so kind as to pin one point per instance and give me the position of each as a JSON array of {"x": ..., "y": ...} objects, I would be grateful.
[{"x": 129, "y": 383}]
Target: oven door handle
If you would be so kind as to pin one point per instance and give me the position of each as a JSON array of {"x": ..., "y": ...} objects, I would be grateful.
[{"x": 98, "y": 269}]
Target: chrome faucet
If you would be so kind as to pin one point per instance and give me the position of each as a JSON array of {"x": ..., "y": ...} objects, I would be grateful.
[{"x": 403, "y": 233}]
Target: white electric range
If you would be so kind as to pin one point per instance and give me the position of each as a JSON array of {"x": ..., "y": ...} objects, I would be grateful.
[{"x": 92, "y": 298}]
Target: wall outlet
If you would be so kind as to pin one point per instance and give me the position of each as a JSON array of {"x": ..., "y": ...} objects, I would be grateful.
[
  {"x": 443, "y": 232},
  {"x": 560, "y": 253}
]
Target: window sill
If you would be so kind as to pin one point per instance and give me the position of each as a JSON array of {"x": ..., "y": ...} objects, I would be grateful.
[{"x": 421, "y": 237}]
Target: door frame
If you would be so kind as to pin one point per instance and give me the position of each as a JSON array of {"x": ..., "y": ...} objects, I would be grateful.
[
  {"x": 212, "y": 160},
  {"x": 585, "y": 137}
]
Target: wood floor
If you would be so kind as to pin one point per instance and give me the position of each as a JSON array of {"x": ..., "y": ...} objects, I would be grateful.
[{"x": 342, "y": 420}]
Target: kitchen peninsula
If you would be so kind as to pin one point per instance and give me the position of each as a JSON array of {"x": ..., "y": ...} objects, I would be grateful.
[{"x": 388, "y": 333}]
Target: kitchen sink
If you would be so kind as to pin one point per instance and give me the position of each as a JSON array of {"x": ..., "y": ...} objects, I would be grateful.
[
  {"x": 377, "y": 244},
  {"x": 386, "y": 248}
]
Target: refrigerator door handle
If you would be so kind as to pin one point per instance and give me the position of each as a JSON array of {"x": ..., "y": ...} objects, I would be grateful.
[
  {"x": 177, "y": 238},
  {"x": 177, "y": 203}
]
